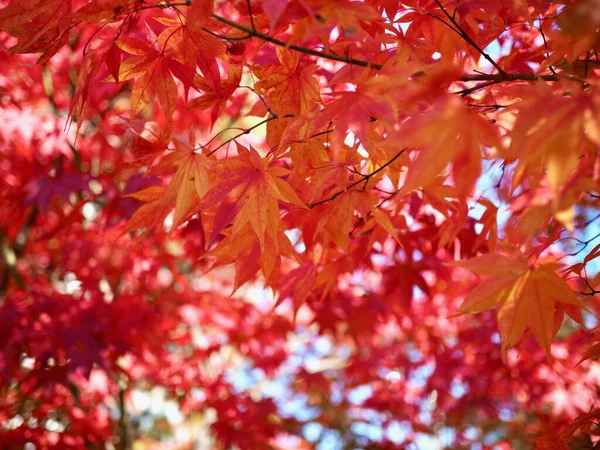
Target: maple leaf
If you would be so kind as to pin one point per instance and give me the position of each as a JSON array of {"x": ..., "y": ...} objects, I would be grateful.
[
  {"x": 288, "y": 89},
  {"x": 533, "y": 209},
  {"x": 216, "y": 100},
  {"x": 188, "y": 185},
  {"x": 325, "y": 16},
  {"x": 341, "y": 87},
  {"x": 40, "y": 25},
  {"x": 190, "y": 182},
  {"x": 104, "y": 9},
  {"x": 190, "y": 49},
  {"x": 298, "y": 285},
  {"x": 447, "y": 134},
  {"x": 526, "y": 296},
  {"x": 88, "y": 72},
  {"x": 305, "y": 153},
  {"x": 335, "y": 220},
  {"x": 150, "y": 70},
  {"x": 256, "y": 189},
  {"x": 249, "y": 254},
  {"x": 372, "y": 100},
  {"x": 42, "y": 190},
  {"x": 151, "y": 212},
  {"x": 551, "y": 440},
  {"x": 199, "y": 14},
  {"x": 402, "y": 279},
  {"x": 551, "y": 139},
  {"x": 490, "y": 225},
  {"x": 148, "y": 140}
]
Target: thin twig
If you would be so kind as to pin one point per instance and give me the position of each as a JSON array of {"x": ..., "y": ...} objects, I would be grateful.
[
  {"x": 507, "y": 77},
  {"x": 545, "y": 44},
  {"x": 467, "y": 38},
  {"x": 365, "y": 179},
  {"x": 465, "y": 92},
  {"x": 249, "y": 130},
  {"x": 250, "y": 14}
]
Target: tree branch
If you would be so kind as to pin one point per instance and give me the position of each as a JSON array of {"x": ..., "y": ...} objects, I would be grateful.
[
  {"x": 497, "y": 78},
  {"x": 490, "y": 79},
  {"x": 309, "y": 51},
  {"x": 507, "y": 77},
  {"x": 467, "y": 38},
  {"x": 125, "y": 441},
  {"x": 248, "y": 130},
  {"x": 365, "y": 179}
]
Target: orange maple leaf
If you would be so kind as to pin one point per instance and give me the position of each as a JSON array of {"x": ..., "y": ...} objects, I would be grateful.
[
  {"x": 244, "y": 251},
  {"x": 190, "y": 182},
  {"x": 149, "y": 68},
  {"x": 199, "y": 14},
  {"x": 448, "y": 134},
  {"x": 526, "y": 296},
  {"x": 550, "y": 134},
  {"x": 334, "y": 220},
  {"x": 189, "y": 49},
  {"x": 373, "y": 99},
  {"x": 289, "y": 88},
  {"x": 105, "y": 9},
  {"x": 187, "y": 186},
  {"x": 215, "y": 100},
  {"x": 490, "y": 225},
  {"x": 255, "y": 189}
]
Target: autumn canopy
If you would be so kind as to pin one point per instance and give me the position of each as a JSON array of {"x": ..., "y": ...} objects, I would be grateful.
[{"x": 270, "y": 224}]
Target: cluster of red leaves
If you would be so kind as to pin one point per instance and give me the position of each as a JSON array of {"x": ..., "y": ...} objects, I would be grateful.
[{"x": 353, "y": 157}]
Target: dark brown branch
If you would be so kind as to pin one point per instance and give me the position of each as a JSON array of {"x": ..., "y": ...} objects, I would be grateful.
[
  {"x": 250, "y": 14},
  {"x": 364, "y": 179},
  {"x": 308, "y": 51},
  {"x": 487, "y": 107},
  {"x": 465, "y": 92},
  {"x": 545, "y": 44},
  {"x": 492, "y": 79},
  {"x": 584, "y": 244},
  {"x": 497, "y": 78},
  {"x": 125, "y": 441},
  {"x": 507, "y": 77},
  {"x": 500, "y": 77}
]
